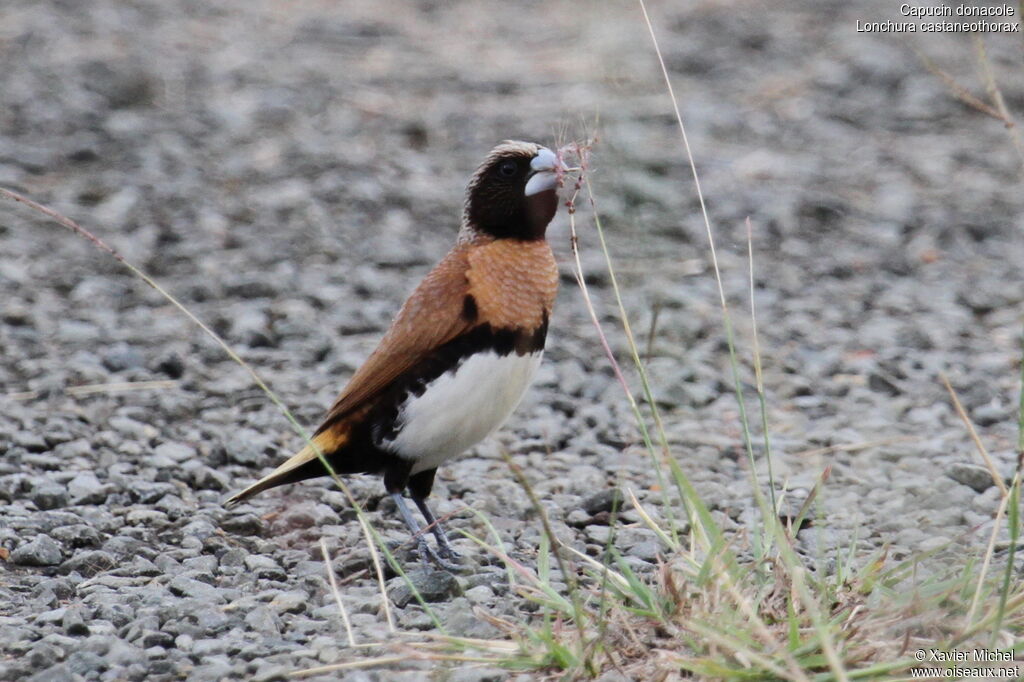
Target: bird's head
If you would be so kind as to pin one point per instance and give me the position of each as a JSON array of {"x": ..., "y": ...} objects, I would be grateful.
[{"x": 514, "y": 192}]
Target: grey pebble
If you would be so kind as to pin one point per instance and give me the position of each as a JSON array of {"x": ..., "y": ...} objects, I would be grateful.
[
  {"x": 476, "y": 675},
  {"x": 432, "y": 585},
  {"x": 85, "y": 488},
  {"x": 122, "y": 357},
  {"x": 598, "y": 534},
  {"x": 55, "y": 673},
  {"x": 85, "y": 662},
  {"x": 294, "y": 601},
  {"x": 264, "y": 567},
  {"x": 264, "y": 620},
  {"x": 247, "y": 447},
  {"x": 176, "y": 452},
  {"x": 74, "y": 621},
  {"x": 31, "y": 441},
  {"x": 39, "y": 551},
  {"x": 89, "y": 563},
  {"x": 149, "y": 639},
  {"x": 604, "y": 501},
  {"x": 77, "y": 535},
  {"x": 49, "y": 495},
  {"x": 196, "y": 589},
  {"x": 973, "y": 476},
  {"x": 52, "y": 616},
  {"x": 45, "y": 654}
]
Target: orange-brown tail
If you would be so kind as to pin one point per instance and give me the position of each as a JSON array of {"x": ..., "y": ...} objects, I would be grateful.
[{"x": 298, "y": 467}]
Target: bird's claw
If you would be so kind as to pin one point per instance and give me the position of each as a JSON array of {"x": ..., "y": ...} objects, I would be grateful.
[
  {"x": 446, "y": 550},
  {"x": 439, "y": 557}
]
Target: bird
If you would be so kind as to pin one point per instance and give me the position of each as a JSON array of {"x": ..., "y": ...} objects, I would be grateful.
[{"x": 460, "y": 353}]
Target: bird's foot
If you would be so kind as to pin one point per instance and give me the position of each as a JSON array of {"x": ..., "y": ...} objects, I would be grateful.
[
  {"x": 445, "y": 549},
  {"x": 439, "y": 557}
]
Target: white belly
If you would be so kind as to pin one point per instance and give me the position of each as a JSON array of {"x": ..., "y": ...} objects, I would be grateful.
[{"x": 461, "y": 407}]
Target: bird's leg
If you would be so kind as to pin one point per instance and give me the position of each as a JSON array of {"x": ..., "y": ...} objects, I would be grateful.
[
  {"x": 425, "y": 551},
  {"x": 444, "y": 547}
]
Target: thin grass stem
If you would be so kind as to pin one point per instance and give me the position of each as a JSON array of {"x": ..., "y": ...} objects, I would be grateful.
[
  {"x": 771, "y": 523},
  {"x": 337, "y": 593}
]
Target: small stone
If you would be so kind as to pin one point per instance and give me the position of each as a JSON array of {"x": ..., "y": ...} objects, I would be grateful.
[
  {"x": 171, "y": 365},
  {"x": 77, "y": 535},
  {"x": 243, "y": 524},
  {"x": 57, "y": 435},
  {"x": 247, "y": 447},
  {"x": 31, "y": 441},
  {"x": 250, "y": 286},
  {"x": 122, "y": 357},
  {"x": 44, "y": 654},
  {"x": 48, "y": 462},
  {"x": 148, "y": 492},
  {"x": 480, "y": 594},
  {"x": 415, "y": 618},
  {"x": 205, "y": 564},
  {"x": 49, "y": 495},
  {"x": 265, "y": 567},
  {"x": 883, "y": 384},
  {"x": 176, "y": 452},
  {"x": 157, "y": 638},
  {"x": 462, "y": 622},
  {"x": 205, "y": 478},
  {"x": 51, "y": 617},
  {"x": 990, "y": 414},
  {"x": 612, "y": 676},
  {"x": 74, "y": 621},
  {"x": 233, "y": 558},
  {"x": 85, "y": 488},
  {"x": 122, "y": 653},
  {"x": 577, "y": 518},
  {"x": 973, "y": 476},
  {"x": 173, "y": 506},
  {"x": 146, "y": 517},
  {"x": 60, "y": 587},
  {"x": 433, "y": 586},
  {"x": 212, "y": 620},
  {"x": 271, "y": 673},
  {"x": 933, "y": 543},
  {"x": 196, "y": 589},
  {"x": 204, "y": 648},
  {"x": 648, "y": 550},
  {"x": 132, "y": 428},
  {"x": 598, "y": 534},
  {"x": 290, "y": 602},
  {"x": 89, "y": 563},
  {"x": 263, "y": 619},
  {"x": 213, "y": 670},
  {"x": 603, "y": 501},
  {"x": 477, "y": 675},
  {"x": 59, "y": 671},
  {"x": 40, "y": 551}
]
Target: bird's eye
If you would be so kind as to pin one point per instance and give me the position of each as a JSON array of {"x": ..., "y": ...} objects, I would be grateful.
[{"x": 508, "y": 169}]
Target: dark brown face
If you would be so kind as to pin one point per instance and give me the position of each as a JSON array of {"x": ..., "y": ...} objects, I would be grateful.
[{"x": 513, "y": 193}]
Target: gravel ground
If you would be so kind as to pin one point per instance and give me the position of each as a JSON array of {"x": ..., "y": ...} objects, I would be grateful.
[{"x": 290, "y": 170}]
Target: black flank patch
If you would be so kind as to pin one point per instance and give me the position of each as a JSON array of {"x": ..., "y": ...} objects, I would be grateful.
[
  {"x": 469, "y": 310},
  {"x": 446, "y": 358}
]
